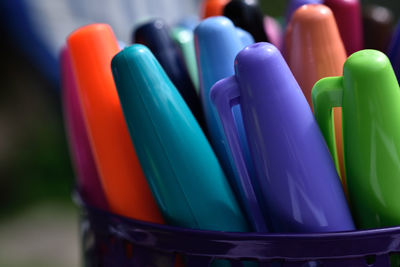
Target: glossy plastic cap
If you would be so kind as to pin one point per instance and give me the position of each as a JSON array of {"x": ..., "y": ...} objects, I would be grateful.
[
  {"x": 211, "y": 8},
  {"x": 92, "y": 48}
]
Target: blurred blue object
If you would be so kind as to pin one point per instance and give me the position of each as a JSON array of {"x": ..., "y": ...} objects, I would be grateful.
[
  {"x": 189, "y": 22},
  {"x": 39, "y": 27},
  {"x": 394, "y": 51},
  {"x": 15, "y": 16}
]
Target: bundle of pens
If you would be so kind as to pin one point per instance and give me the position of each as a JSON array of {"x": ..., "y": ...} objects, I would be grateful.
[{"x": 201, "y": 128}]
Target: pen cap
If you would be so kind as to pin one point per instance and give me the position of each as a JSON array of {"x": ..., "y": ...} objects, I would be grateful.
[
  {"x": 81, "y": 153},
  {"x": 314, "y": 50},
  {"x": 394, "y": 51},
  {"x": 273, "y": 29},
  {"x": 313, "y": 47},
  {"x": 217, "y": 44},
  {"x": 211, "y": 8},
  {"x": 92, "y": 48},
  {"x": 348, "y": 18},
  {"x": 248, "y": 17},
  {"x": 155, "y": 34},
  {"x": 185, "y": 40},
  {"x": 299, "y": 183},
  {"x": 369, "y": 95},
  {"x": 245, "y": 37},
  {"x": 179, "y": 164},
  {"x": 378, "y": 23},
  {"x": 293, "y": 5}
]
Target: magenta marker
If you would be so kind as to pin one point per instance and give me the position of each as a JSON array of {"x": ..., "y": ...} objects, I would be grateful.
[
  {"x": 81, "y": 154},
  {"x": 274, "y": 31}
]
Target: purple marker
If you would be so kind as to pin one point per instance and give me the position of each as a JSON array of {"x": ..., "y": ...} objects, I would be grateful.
[
  {"x": 81, "y": 153},
  {"x": 300, "y": 186}
]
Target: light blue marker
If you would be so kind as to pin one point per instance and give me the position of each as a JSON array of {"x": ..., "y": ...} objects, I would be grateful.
[{"x": 217, "y": 44}]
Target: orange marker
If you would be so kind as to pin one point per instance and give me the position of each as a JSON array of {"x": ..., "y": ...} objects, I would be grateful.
[
  {"x": 314, "y": 50},
  {"x": 92, "y": 48},
  {"x": 212, "y": 8}
]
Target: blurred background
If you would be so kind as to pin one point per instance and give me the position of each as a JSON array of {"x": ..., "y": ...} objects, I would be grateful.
[{"x": 38, "y": 220}]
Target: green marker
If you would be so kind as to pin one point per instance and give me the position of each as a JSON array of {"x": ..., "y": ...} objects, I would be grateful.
[
  {"x": 184, "y": 38},
  {"x": 369, "y": 95}
]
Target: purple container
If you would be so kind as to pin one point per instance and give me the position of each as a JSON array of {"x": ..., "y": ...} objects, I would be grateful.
[{"x": 111, "y": 240}]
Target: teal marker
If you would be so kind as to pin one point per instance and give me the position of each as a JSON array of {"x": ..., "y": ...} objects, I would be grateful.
[{"x": 179, "y": 164}]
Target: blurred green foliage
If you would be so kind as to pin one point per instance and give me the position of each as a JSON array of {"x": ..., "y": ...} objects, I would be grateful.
[
  {"x": 273, "y": 8},
  {"x": 34, "y": 159}
]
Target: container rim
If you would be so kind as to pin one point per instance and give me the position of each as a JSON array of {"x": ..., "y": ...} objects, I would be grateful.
[{"x": 234, "y": 245}]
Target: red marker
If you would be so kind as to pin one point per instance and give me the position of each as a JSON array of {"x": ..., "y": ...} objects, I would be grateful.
[{"x": 212, "y": 8}]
